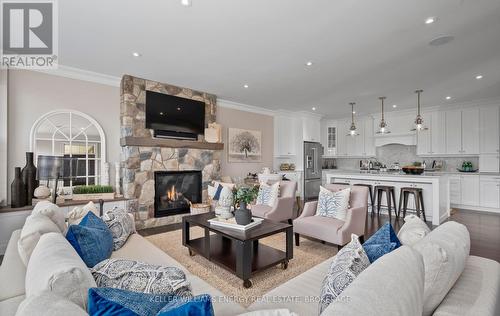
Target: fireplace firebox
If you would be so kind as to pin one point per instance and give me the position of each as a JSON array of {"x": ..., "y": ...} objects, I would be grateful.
[{"x": 175, "y": 191}]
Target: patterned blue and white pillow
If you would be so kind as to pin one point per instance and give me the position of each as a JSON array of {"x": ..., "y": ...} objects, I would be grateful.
[
  {"x": 333, "y": 204},
  {"x": 349, "y": 262},
  {"x": 268, "y": 194}
]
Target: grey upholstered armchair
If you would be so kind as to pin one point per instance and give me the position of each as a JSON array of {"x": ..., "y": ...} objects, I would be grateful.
[
  {"x": 283, "y": 208},
  {"x": 330, "y": 229}
]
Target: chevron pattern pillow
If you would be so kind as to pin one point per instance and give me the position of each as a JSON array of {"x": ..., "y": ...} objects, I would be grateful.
[
  {"x": 268, "y": 194},
  {"x": 333, "y": 204}
]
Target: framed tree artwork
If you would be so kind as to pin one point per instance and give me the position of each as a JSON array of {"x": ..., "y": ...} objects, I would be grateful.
[{"x": 244, "y": 145}]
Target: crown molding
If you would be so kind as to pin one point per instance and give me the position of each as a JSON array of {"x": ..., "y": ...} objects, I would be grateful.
[
  {"x": 84, "y": 75},
  {"x": 91, "y": 76},
  {"x": 244, "y": 107}
]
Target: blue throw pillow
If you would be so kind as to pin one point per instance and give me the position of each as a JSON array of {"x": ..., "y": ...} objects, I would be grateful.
[
  {"x": 382, "y": 242},
  {"x": 92, "y": 239},
  {"x": 217, "y": 193},
  {"x": 116, "y": 302},
  {"x": 200, "y": 305}
]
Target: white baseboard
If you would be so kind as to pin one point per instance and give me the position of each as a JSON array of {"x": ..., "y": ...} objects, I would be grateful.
[{"x": 476, "y": 208}]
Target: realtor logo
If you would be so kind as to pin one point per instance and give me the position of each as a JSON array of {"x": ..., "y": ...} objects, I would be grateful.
[{"x": 29, "y": 34}]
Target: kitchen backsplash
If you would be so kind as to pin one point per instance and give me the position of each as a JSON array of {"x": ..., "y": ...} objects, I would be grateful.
[{"x": 389, "y": 154}]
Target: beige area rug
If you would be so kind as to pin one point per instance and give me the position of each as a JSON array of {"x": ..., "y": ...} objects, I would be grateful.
[{"x": 306, "y": 256}]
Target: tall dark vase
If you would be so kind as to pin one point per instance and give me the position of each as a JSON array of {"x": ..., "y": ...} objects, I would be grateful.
[
  {"x": 18, "y": 190},
  {"x": 29, "y": 178}
]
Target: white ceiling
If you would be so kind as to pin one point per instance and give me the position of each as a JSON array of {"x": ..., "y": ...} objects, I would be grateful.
[{"x": 361, "y": 49}]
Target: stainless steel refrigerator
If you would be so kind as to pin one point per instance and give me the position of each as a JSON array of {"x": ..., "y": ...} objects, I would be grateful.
[{"x": 313, "y": 153}]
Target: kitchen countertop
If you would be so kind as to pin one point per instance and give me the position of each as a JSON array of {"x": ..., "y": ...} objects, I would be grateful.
[{"x": 428, "y": 173}]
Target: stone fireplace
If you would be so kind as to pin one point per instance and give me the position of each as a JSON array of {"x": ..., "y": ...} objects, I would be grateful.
[
  {"x": 144, "y": 157},
  {"x": 175, "y": 191}
]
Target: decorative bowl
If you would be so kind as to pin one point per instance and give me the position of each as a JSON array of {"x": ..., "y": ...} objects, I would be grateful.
[{"x": 413, "y": 170}]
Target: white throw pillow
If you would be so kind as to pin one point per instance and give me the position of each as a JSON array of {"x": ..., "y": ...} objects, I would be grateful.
[
  {"x": 211, "y": 190},
  {"x": 413, "y": 230},
  {"x": 79, "y": 212},
  {"x": 333, "y": 204},
  {"x": 35, "y": 226},
  {"x": 268, "y": 194},
  {"x": 53, "y": 212},
  {"x": 55, "y": 266},
  {"x": 47, "y": 303},
  {"x": 445, "y": 251},
  {"x": 224, "y": 184}
]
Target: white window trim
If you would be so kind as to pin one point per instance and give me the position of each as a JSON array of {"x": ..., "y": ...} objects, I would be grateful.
[
  {"x": 3, "y": 135},
  {"x": 42, "y": 119}
]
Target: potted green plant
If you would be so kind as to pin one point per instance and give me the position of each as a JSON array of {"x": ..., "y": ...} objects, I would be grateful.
[
  {"x": 93, "y": 192},
  {"x": 243, "y": 196}
]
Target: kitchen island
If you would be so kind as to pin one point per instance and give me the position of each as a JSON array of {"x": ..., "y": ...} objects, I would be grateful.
[{"x": 435, "y": 188}]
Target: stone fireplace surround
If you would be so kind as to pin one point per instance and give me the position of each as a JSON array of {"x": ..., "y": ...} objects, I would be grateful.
[{"x": 140, "y": 162}]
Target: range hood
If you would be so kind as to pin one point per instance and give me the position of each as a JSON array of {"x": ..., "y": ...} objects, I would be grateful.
[{"x": 409, "y": 139}]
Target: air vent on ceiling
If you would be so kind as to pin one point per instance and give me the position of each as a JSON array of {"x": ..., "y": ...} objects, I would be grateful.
[{"x": 438, "y": 41}]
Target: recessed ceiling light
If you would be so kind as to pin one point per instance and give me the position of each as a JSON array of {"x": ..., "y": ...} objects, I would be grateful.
[
  {"x": 448, "y": 98},
  {"x": 353, "y": 112},
  {"x": 245, "y": 86},
  {"x": 479, "y": 77},
  {"x": 186, "y": 3},
  {"x": 309, "y": 63},
  {"x": 430, "y": 20},
  {"x": 136, "y": 54},
  {"x": 313, "y": 108},
  {"x": 394, "y": 106}
]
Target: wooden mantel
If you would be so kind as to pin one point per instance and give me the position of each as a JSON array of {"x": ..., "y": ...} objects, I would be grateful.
[{"x": 171, "y": 143}]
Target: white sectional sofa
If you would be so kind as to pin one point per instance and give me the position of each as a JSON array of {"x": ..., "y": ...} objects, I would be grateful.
[{"x": 476, "y": 292}]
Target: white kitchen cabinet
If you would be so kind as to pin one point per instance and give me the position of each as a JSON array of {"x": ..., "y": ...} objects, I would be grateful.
[
  {"x": 469, "y": 187},
  {"x": 285, "y": 142},
  {"x": 431, "y": 142},
  {"x": 424, "y": 142},
  {"x": 311, "y": 129},
  {"x": 453, "y": 131},
  {"x": 489, "y": 162},
  {"x": 329, "y": 137},
  {"x": 361, "y": 145},
  {"x": 489, "y": 127},
  {"x": 342, "y": 130},
  {"x": 455, "y": 190},
  {"x": 489, "y": 191},
  {"x": 462, "y": 131},
  {"x": 470, "y": 131}
]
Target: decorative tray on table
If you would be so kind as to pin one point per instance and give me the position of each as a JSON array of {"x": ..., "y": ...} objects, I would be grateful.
[{"x": 231, "y": 223}]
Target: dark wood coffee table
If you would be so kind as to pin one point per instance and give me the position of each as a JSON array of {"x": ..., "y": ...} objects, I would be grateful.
[{"x": 238, "y": 251}]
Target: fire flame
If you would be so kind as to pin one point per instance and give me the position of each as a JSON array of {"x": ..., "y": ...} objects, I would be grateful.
[{"x": 172, "y": 194}]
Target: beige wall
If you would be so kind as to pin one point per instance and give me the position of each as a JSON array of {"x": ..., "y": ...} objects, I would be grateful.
[
  {"x": 32, "y": 94},
  {"x": 246, "y": 120}
]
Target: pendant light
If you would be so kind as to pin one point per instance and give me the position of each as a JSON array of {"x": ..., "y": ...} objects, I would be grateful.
[
  {"x": 352, "y": 130},
  {"x": 383, "y": 125},
  {"x": 419, "y": 121}
]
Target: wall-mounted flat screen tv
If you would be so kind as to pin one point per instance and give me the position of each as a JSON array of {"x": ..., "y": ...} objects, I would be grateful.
[{"x": 174, "y": 117}]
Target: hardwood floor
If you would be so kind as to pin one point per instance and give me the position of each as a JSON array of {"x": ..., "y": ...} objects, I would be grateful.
[{"x": 484, "y": 229}]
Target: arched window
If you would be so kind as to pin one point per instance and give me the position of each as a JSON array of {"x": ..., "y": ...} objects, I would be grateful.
[{"x": 74, "y": 134}]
